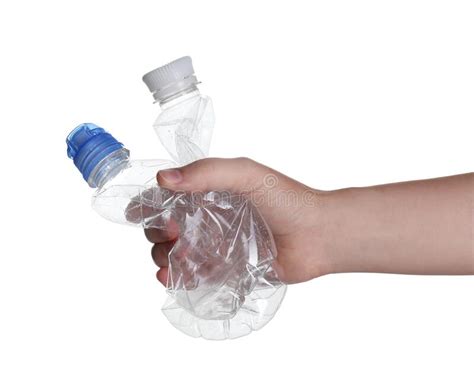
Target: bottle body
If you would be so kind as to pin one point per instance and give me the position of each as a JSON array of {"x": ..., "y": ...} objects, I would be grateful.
[
  {"x": 220, "y": 265},
  {"x": 185, "y": 126}
]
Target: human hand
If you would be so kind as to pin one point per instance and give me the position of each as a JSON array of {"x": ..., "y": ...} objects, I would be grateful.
[
  {"x": 416, "y": 227},
  {"x": 291, "y": 210}
]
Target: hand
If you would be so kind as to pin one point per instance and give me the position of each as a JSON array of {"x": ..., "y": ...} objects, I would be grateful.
[
  {"x": 291, "y": 210},
  {"x": 416, "y": 227}
]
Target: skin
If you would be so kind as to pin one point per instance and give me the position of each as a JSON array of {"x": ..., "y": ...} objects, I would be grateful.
[{"x": 416, "y": 227}]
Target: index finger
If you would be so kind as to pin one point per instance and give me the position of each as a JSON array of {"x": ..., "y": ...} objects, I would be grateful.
[{"x": 161, "y": 235}]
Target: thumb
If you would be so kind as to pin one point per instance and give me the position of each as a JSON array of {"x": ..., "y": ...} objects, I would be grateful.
[{"x": 239, "y": 175}]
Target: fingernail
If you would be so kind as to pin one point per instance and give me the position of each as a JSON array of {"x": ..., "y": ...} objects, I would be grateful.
[{"x": 172, "y": 176}]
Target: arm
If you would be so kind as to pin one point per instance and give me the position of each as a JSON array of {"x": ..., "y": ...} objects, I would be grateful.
[{"x": 418, "y": 227}]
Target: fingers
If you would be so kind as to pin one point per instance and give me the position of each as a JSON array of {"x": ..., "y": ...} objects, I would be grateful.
[
  {"x": 158, "y": 235},
  {"x": 159, "y": 253},
  {"x": 154, "y": 235},
  {"x": 213, "y": 174},
  {"x": 162, "y": 276},
  {"x": 163, "y": 240}
]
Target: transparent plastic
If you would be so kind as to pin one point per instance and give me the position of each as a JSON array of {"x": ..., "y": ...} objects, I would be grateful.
[
  {"x": 220, "y": 281},
  {"x": 185, "y": 126}
]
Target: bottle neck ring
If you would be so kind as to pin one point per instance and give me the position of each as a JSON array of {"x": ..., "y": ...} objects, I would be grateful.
[
  {"x": 179, "y": 97},
  {"x": 175, "y": 89},
  {"x": 109, "y": 167}
]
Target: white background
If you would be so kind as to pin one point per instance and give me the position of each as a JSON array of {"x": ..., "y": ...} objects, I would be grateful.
[{"x": 333, "y": 93}]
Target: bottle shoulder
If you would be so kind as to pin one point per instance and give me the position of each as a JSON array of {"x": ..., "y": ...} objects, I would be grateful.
[
  {"x": 185, "y": 128},
  {"x": 112, "y": 200},
  {"x": 189, "y": 107},
  {"x": 139, "y": 172}
]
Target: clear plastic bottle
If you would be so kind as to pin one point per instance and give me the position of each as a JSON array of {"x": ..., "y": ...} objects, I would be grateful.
[
  {"x": 220, "y": 282},
  {"x": 186, "y": 121}
]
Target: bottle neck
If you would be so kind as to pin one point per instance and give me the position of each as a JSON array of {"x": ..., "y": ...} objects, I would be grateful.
[
  {"x": 109, "y": 167},
  {"x": 179, "y": 96}
]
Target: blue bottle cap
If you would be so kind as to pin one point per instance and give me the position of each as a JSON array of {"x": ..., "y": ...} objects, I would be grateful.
[{"x": 88, "y": 145}]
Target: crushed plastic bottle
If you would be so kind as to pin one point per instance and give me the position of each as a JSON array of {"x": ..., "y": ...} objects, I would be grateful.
[
  {"x": 186, "y": 121},
  {"x": 220, "y": 281}
]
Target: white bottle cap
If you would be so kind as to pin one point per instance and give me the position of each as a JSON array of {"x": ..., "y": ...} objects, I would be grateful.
[{"x": 171, "y": 79}]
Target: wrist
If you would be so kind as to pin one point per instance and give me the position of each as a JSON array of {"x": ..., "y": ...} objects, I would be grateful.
[
  {"x": 345, "y": 229},
  {"x": 324, "y": 220}
]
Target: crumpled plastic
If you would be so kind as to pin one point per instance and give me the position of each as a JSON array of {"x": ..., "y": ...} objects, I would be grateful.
[{"x": 221, "y": 283}]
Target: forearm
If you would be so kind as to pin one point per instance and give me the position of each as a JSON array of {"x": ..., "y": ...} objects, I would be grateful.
[{"x": 418, "y": 227}]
